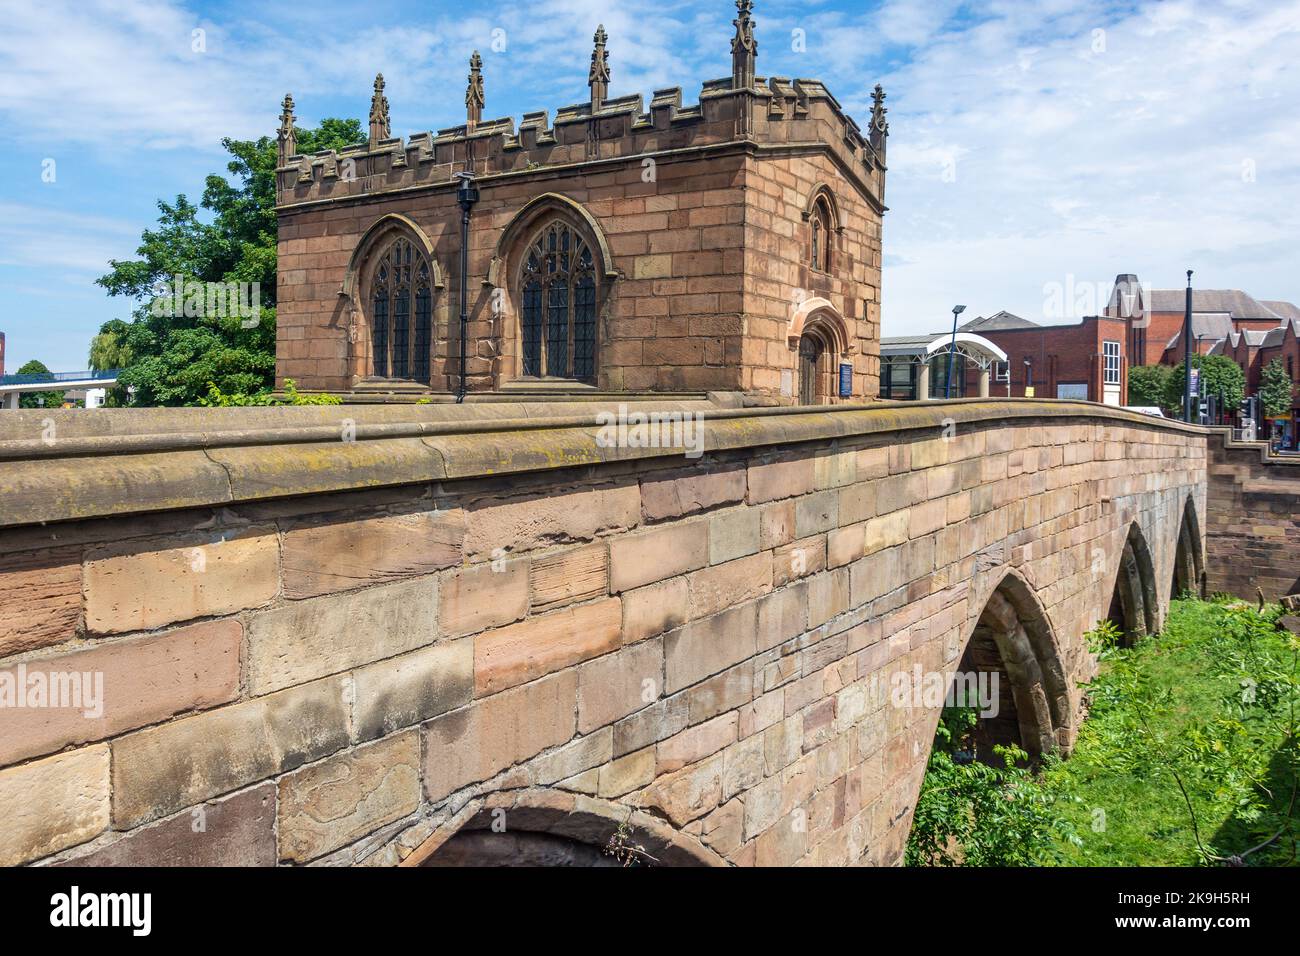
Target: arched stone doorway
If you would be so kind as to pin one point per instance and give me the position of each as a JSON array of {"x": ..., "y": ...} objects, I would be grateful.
[
  {"x": 1134, "y": 606},
  {"x": 1189, "y": 564},
  {"x": 820, "y": 340},
  {"x": 1013, "y": 656},
  {"x": 545, "y": 827}
]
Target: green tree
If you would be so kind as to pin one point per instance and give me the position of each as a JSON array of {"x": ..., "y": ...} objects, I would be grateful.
[
  {"x": 1147, "y": 385},
  {"x": 970, "y": 813},
  {"x": 174, "y": 359},
  {"x": 38, "y": 399},
  {"x": 108, "y": 349},
  {"x": 1219, "y": 375},
  {"x": 1275, "y": 389}
]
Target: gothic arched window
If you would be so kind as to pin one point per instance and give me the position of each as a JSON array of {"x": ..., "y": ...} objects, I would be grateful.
[
  {"x": 401, "y": 331},
  {"x": 558, "y": 298},
  {"x": 819, "y": 253}
]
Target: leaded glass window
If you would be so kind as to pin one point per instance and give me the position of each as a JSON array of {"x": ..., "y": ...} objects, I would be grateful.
[
  {"x": 558, "y": 293},
  {"x": 401, "y": 334}
]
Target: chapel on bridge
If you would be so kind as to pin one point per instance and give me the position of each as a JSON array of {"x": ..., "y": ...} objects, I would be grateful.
[{"x": 729, "y": 245}]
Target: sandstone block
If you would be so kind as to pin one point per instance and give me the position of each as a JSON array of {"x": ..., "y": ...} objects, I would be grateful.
[
  {"x": 40, "y": 598},
  {"x": 325, "y": 635},
  {"x": 412, "y": 688},
  {"x": 613, "y": 686},
  {"x": 771, "y": 481},
  {"x": 684, "y": 494},
  {"x": 627, "y": 773},
  {"x": 51, "y": 804},
  {"x": 121, "y": 686},
  {"x": 324, "y": 558},
  {"x": 544, "y": 643},
  {"x": 557, "y": 517},
  {"x": 340, "y": 800},
  {"x": 478, "y": 741},
  {"x": 654, "y": 609},
  {"x": 726, "y": 585},
  {"x": 132, "y": 588},
  {"x": 649, "y": 556},
  {"x": 660, "y": 720},
  {"x": 816, "y": 513},
  {"x": 164, "y": 769},
  {"x": 481, "y": 596},
  {"x": 688, "y": 794},
  {"x": 798, "y": 559},
  {"x": 705, "y": 647},
  {"x": 238, "y": 830},
  {"x": 577, "y": 575},
  {"x": 695, "y": 743},
  {"x": 577, "y": 756}
]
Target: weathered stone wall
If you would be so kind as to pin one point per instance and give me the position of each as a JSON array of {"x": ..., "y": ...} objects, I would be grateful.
[
  {"x": 703, "y": 212},
  {"x": 1252, "y": 532},
  {"x": 342, "y": 651},
  {"x": 778, "y": 273}
]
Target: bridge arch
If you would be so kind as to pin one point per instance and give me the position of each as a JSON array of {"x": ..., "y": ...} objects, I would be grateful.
[
  {"x": 1012, "y": 637},
  {"x": 1134, "y": 606},
  {"x": 1189, "y": 560},
  {"x": 542, "y": 826}
]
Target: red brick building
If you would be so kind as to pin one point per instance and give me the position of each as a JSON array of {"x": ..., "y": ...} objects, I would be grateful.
[
  {"x": 1157, "y": 316},
  {"x": 732, "y": 244},
  {"x": 1084, "y": 360}
]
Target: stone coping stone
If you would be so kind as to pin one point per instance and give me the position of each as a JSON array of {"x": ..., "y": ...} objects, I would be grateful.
[{"x": 158, "y": 465}]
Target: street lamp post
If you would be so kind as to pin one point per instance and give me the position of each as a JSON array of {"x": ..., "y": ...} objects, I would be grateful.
[
  {"x": 952, "y": 348},
  {"x": 1187, "y": 351},
  {"x": 466, "y": 196}
]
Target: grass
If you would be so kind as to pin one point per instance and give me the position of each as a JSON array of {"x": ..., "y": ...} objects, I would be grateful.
[{"x": 1189, "y": 753}]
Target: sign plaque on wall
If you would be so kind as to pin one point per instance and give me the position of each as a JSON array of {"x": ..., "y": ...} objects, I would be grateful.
[{"x": 846, "y": 380}]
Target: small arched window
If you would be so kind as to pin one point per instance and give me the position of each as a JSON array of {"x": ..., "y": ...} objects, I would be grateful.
[
  {"x": 819, "y": 252},
  {"x": 558, "y": 295},
  {"x": 401, "y": 321}
]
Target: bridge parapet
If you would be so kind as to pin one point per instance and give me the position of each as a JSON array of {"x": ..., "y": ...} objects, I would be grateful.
[{"x": 348, "y": 634}]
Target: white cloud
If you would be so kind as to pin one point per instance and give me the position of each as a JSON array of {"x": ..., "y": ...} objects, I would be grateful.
[
  {"x": 1078, "y": 163},
  {"x": 1030, "y": 140},
  {"x": 70, "y": 245}
]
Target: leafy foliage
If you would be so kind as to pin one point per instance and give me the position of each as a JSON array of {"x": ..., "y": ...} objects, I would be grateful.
[
  {"x": 1189, "y": 756},
  {"x": 1147, "y": 385},
  {"x": 1219, "y": 375},
  {"x": 173, "y": 359},
  {"x": 219, "y": 399},
  {"x": 1189, "y": 752},
  {"x": 1275, "y": 389},
  {"x": 975, "y": 814},
  {"x": 38, "y": 399}
]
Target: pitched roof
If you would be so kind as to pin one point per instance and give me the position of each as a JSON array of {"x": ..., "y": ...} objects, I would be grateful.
[
  {"x": 1212, "y": 326},
  {"x": 1287, "y": 310},
  {"x": 1232, "y": 302},
  {"x": 998, "y": 322},
  {"x": 1273, "y": 337}
]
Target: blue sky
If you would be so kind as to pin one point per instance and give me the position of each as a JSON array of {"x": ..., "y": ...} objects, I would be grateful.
[{"x": 1035, "y": 147}]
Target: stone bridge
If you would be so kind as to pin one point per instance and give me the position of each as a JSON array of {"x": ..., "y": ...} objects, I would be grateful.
[{"x": 425, "y": 635}]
